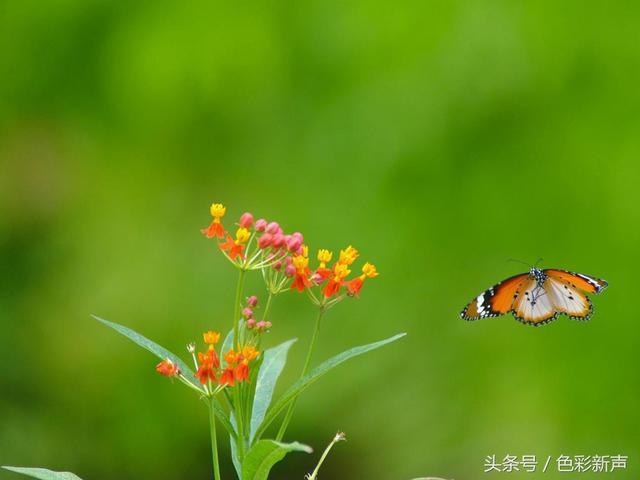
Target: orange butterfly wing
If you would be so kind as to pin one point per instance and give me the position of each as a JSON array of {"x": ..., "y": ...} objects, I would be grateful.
[
  {"x": 536, "y": 303},
  {"x": 496, "y": 300}
]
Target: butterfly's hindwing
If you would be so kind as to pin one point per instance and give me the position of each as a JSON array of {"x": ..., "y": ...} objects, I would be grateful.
[{"x": 535, "y": 306}]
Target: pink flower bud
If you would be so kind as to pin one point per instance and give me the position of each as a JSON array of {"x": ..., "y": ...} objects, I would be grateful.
[
  {"x": 252, "y": 301},
  {"x": 298, "y": 235},
  {"x": 288, "y": 260},
  {"x": 261, "y": 225},
  {"x": 278, "y": 240},
  {"x": 277, "y": 265},
  {"x": 247, "y": 312},
  {"x": 246, "y": 220},
  {"x": 299, "y": 251},
  {"x": 287, "y": 238},
  {"x": 265, "y": 240},
  {"x": 267, "y": 324},
  {"x": 251, "y": 323},
  {"x": 272, "y": 228},
  {"x": 261, "y": 324},
  {"x": 294, "y": 244},
  {"x": 289, "y": 270}
]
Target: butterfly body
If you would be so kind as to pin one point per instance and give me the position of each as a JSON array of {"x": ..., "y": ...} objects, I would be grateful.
[{"x": 537, "y": 297}]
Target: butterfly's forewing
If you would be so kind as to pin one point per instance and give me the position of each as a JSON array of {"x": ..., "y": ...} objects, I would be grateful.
[
  {"x": 496, "y": 300},
  {"x": 580, "y": 281}
]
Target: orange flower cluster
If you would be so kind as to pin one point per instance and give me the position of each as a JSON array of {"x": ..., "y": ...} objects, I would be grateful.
[
  {"x": 237, "y": 369},
  {"x": 271, "y": 239},
  {"x": 237, "y": 364},
  {"x": 335, "y": 277}
]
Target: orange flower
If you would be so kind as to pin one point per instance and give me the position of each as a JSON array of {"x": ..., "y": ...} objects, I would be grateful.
[
  {"x": 227, "y": 377},
  {"x": 368, "y": 271},
  {"x": 215, "y": 229},
  {"x": 231, "y": 357},
  {"x": 237, "y": 369},
  {"x": 340, "y": 271},
  {"x": 235, "y": 247},
  {"x": 322, "y": 272},
  {"x": 209, "y": 363},
  {"x": 241, "y": 372},
  {"x": 250, "y": 353},
  {"x": 301, "y": 277},
  {"x": 211, "y": 337},
  {"x": 167, "y": 368}
]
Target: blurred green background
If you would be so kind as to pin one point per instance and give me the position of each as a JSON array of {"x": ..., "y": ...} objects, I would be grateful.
[{"x": 441, "y": 138}]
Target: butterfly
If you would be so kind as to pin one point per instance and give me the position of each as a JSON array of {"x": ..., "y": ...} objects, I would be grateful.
[{"x": 537, "y": 297}]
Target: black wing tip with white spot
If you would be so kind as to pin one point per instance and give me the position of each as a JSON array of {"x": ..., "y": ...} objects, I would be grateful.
[{"x": 463, "y": 315}]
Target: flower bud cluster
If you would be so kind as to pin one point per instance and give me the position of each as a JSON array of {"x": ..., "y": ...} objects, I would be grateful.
[{"x": 248, "y": 315}]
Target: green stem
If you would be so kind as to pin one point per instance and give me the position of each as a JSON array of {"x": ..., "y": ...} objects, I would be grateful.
[
  {"x": 305, "y": 369},
  {"x": 214, "y": 441},
  {"x": 339, "y": 437},
  {"x": 266, "y": 307},
  {"x": 237, "y": 400},
  {"x": 236, "y": 312}
]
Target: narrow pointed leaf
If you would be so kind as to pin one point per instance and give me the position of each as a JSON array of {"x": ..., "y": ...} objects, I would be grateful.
[
  {"x": 305, "y": 382},
  {"x": 264, "y": 455},
  {"x": 151, "y": 346},
  {"x": 163, "y": 353},
  {"x": 42, "y": 473},
  {"x": 271, "y": 368},
  {"x": 234, "y": 458}
]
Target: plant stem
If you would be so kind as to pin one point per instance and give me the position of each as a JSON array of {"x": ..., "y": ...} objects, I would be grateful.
[
  {"x": 237, "y": 401},
  {"x": 214, "y": 441},
  {"x": 236, "y": 312},
  {"x": 305, "y": 369},
  {"x": 314, "y": 475},
  {"x": 266, "y": 307}
]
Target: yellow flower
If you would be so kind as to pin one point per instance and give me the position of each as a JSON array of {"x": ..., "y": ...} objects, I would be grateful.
[
  {"x": 324, "y": 257},
  {"x": 301, "y": 263},
  {"x": 340, "y": 271},
  {"x": 217, "y": 210},
  {"x": 348, "y": 255},
  {"x": 211, "y": 337},
  {"x": 249, "y": 353},
  {"x": 369, "y": 270},
  {"x": 231, "y": 357},
  {"x": 242, "y": 235}
]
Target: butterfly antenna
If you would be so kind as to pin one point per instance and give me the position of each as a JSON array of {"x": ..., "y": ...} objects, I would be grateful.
[
  {"x": 519, "y": 261},
  {"x": 538, "y": 262}
]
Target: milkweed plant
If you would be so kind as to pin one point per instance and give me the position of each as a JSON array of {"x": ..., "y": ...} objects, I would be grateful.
[{"x": 235, "y": 375}]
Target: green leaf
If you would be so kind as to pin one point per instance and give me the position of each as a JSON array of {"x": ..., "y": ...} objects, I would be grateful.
[
  {"x": 234, "y": 457},
  {"x": 163, "y": 353},
  {"x": 151, "y": 346},
  {"x": 43, "y": 474},
  {"x": 305, "y": 382},
  {"x": 264, "y": 455},
  {"x": 273, "y": 362}
]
